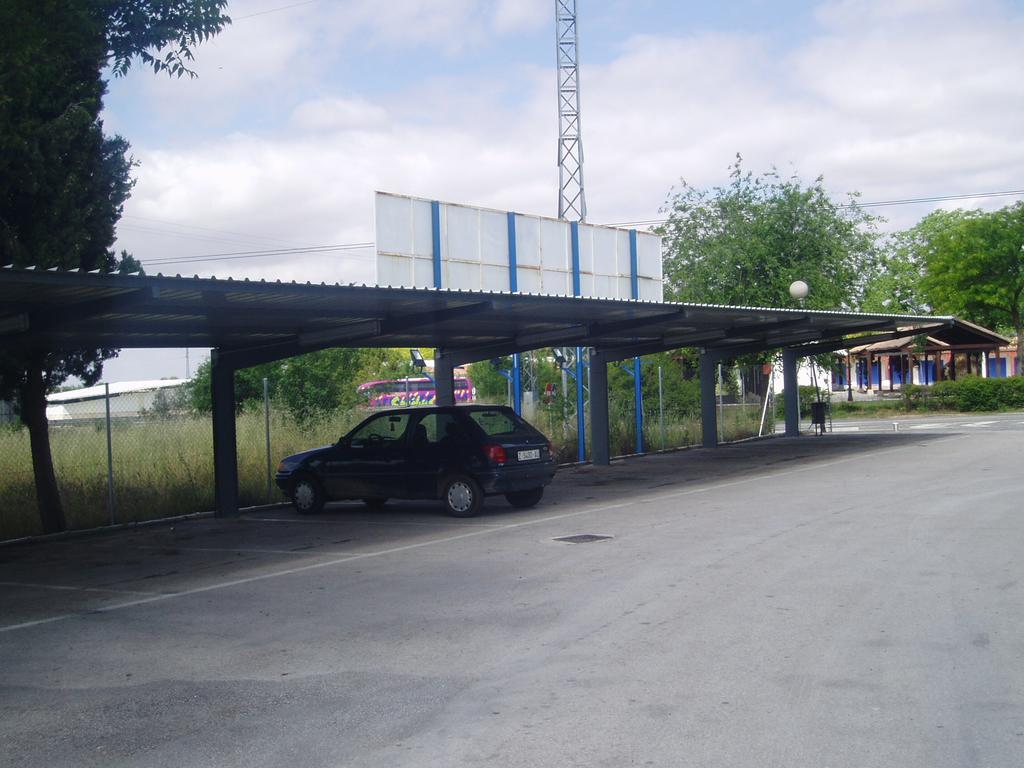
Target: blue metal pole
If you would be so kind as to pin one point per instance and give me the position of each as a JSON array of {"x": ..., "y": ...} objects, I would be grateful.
[
  {"x": 513, "y": 286},
  {"x": 638, "y": 396},
  {"x": 517, "y": 385},
  {"x": 581, "y": 435},
  {"x": 638, "y": 389}
]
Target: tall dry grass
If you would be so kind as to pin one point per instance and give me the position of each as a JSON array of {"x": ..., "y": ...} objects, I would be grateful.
[{"x": 164, "y": 466}]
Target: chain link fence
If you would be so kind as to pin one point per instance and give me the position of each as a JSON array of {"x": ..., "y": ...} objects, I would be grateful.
[{"x": 151, "y": 456}]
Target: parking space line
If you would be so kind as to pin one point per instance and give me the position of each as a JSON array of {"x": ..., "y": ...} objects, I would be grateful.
[
  {"x": 242, "y": 550},
  {"x": 63, "y": 587},
  {"x": 438, "y": 524},
  {"x": 755, "y": 477}
]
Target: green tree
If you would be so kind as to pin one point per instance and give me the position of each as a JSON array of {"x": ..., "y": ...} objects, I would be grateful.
[
  {"x": 895, "y": 283},
  {"x": 746, "y": 242},
  {"x": 307, "y": 386},
  {"x": 974, "y": 266},
  {"x": 62, "y": 181},
  {"x": 491, "y": 386}
]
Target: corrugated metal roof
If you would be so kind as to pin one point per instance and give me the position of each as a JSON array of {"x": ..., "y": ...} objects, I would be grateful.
[
  {"x": 116, "y": 388},
  {"x": 72, "y": 310}
]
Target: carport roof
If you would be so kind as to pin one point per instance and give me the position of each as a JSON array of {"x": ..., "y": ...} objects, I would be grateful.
[{"x": 261, "y": 320}]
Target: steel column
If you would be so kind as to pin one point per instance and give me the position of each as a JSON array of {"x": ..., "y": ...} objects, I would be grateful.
[
  {"x": 225, "y": 449},
  {"x": 600, "y": 452},
  {"x": 444, "y": 379},
  {"x": 517, "y": 383},
  {"x": 708, "y": 405},
  {"x": 581, "y": 417},
  {"x": 792, "y": 391},
  {"x": 638, "y": 381}
]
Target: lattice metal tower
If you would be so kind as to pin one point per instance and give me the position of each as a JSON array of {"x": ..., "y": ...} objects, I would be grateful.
[{"x": 572, "y": 204}]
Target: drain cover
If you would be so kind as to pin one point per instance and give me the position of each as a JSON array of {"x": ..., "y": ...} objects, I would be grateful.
[{"x": 582, "y": 538}]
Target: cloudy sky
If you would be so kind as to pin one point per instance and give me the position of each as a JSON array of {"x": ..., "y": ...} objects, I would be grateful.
[{"x": 302, "y": 109}]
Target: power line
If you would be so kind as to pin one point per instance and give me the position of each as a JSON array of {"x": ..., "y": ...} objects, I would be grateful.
[
  {"x": 875, "y": 204},
  {"x": 203, "y": 229},
  {"x": 323, "y": 249},
  {"x": 274, "y": 10},
  {"x": 236, "y": 255}
]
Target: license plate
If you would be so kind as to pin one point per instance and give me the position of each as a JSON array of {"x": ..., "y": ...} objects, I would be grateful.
[{"x": 528, "y": 455}]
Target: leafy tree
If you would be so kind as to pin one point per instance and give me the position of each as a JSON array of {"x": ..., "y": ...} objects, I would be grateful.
[
  {"x": 895, "y": 284},
  {"x": 746, "y": 242},
  {"x": 974, "y": 265},
  {"x": 491, "y": 386},
  {"x": 307, "y": 386},
  {"x": 62, "y": 181}
]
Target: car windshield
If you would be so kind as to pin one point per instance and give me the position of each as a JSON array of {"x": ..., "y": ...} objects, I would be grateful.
[
  {"x": 387, "y": 427},
  {"x": 497, "y": 422}
]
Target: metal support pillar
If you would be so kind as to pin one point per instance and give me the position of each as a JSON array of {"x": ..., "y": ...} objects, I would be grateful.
[
  {"x": 517, "y": 384},
  {"x": 225, "y": 449},
  {"x": 708, "y": 403},
  {"x": 638, "y": 403},
  {"x": 581, "y": 416},
  {"x": 600, "y": 452},
  {"x": 792, "y": 392},
  {"x": 444, "y": 379}
]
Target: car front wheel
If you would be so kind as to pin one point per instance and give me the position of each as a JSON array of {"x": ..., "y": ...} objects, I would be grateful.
[
  {"x": 525, "y": 499},
  {"x": 307, "y": 496},
  {"x": 462, "y": 496}
]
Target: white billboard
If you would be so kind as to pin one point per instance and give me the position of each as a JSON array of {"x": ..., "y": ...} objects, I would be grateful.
[{"x": 426, "y": 244}]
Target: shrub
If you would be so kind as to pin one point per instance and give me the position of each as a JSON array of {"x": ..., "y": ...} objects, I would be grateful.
[{"x": 968, "y": 393}]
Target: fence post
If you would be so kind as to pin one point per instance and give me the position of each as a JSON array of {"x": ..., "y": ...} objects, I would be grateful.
[
  {"x": 111, "y": 501},
  {"x": 661, "y": 410},
  {"x": 266, "y": 430}
]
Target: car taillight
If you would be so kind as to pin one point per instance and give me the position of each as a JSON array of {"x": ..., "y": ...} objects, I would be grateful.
[{"x": 495, "y": 454}]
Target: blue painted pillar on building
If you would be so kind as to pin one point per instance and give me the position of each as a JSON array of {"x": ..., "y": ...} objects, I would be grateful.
[
  {"x": 513, "y": 286},
  {"x": 581, "y": 416},
  {"x": 435, "y": 231}
]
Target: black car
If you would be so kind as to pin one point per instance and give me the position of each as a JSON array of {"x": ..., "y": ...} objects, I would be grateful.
[{"x": 455, "y": 454}]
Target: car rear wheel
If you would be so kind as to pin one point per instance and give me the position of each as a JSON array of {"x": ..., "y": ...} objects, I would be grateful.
[
  {"x": 307, "y": 495},
  {"x": 462, "y": 496},
  {"x": 525, "y": 499},
  {"x": 375, "y": 503}
]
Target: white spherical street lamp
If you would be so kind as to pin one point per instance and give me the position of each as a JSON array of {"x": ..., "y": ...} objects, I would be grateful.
[{"x": 798, "y": 289}]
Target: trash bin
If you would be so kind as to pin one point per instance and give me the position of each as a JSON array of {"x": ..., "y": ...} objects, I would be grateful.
[{"x": 818, "y": 417}]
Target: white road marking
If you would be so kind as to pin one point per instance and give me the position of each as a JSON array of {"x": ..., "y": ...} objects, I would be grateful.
[
  {"x": 752, "y": 478},
  {"x": 242, "y": 550},
  {"x": 928, "y": 426},
  {"x": 347, "y": 521},
  {"x": 63, "y": 587},
  {"x": 978, "y": 424},
  {"x": 846, "y": 429}
]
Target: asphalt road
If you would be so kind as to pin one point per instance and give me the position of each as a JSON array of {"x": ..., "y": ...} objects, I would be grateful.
[{"x": 852, "y": 600}]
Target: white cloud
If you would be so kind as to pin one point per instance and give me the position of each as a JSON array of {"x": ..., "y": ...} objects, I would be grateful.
[
  {"x": 893, "y": 99},
  {"x": 514, "y": 15}
]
